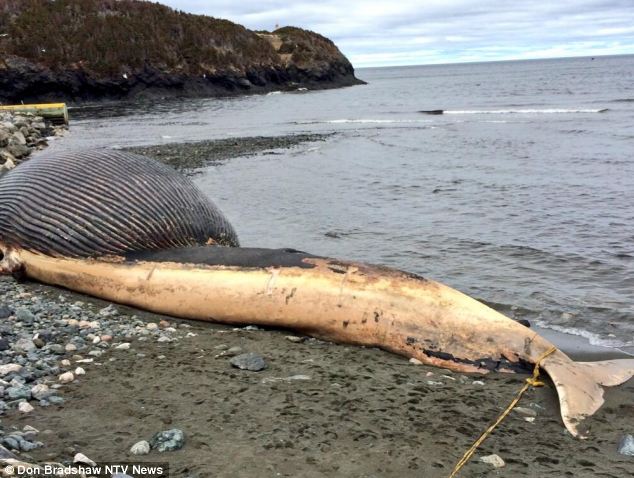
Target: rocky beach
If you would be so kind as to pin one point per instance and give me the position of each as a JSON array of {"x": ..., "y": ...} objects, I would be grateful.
[
  {"x": 21, "y": 134},
  {"x": 84, "y": 380}
]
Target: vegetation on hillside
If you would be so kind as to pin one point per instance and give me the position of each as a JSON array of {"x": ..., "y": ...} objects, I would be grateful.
[
  {"x": 110, "y": 36},
  {"x": 91, "y": 49}
]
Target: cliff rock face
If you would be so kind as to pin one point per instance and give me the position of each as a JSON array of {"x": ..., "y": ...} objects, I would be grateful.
[{"x": 110, "y": 49}]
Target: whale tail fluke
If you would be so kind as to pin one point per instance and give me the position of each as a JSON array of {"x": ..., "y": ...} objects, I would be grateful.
[{"x": 580, "y": 387}]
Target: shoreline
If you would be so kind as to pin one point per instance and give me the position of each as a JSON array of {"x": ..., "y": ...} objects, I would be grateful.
[{"x": 319, "y": 409}]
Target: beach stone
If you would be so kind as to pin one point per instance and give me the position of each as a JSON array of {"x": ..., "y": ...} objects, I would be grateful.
[
  {"x": 81, "y": 458},
  {"x": 11, "y": 442},
  {"x": 55, "y": 400},
  {"x": 6, "y": 454},
  {"x": 4, "y": 344},
  {"x": 249, "y": 361},
  {"x": 19, "y": 138},
  {"x": 16, "y": 393},
  {"x": 57, "y": 349},
  {"x": 5, "y": 312},
  {"x": 493, "y": 460},
  {"x": 295, "y": 339},
  {"x": 123, "y": 346},
  {"x": 140, "y": 448},
  {"x": 24, "y": 315},
  {"x": 66, "y": 377},
  {"x": 168, "y": 440},
  {"x": 40, "y": 391},
  {"x": 626, "y": 445},
  {"x": 415, "y": 361},
  {"x": 9, "y": 368},
  {"x": 24, "y": 345},
  {"x": 18, "y": 150},
  {"x": 152, "y": 326},
  {"x": 70, "y": 348},
  {"x": 80, "y": 371},
  {"x": 109, "y": 311},
  {"x": 25, "y": 407}
]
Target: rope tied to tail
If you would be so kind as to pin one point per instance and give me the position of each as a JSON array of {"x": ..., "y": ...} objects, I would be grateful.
[{"x": 530, "y": 382}]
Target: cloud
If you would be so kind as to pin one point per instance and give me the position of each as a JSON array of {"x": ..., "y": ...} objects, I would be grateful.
[{"x": 389, "y": 32}]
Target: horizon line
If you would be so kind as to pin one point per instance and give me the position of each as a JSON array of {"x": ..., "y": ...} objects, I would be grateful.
[{"x": 495, "y": 61}]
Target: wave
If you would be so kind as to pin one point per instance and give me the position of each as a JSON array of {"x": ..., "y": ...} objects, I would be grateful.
[
  {"x": 622, "y": 100},
  {"x": 522, "y": 111},
  {"x": 271, "y": 93},
  {"x": 364, "y": 121},
  {"x": 591, "y": 337}
]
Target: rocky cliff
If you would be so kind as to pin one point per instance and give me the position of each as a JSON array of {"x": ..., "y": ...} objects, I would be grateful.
[{"x": 110, "y": 49}]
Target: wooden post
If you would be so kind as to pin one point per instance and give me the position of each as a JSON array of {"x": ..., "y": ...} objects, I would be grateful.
[{"x": 54, "y": 112}]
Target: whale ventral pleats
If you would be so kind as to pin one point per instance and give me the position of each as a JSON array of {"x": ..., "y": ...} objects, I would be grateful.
[{"x": 97, "y": 203}]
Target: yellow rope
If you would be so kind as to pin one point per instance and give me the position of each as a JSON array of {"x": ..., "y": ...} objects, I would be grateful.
[{"x": 530, "y": 382}]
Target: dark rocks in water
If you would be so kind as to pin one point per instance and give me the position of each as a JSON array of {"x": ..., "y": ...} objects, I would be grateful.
[
  {"x": 249, "y": 361},
  {"x": 626, "y": 445},
  {"x": 524, "y": 322},
  {"x": 168, "y": 440},
  {"x": 432, "y": 112}
]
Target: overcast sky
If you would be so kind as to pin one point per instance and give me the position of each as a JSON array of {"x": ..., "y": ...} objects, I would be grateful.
[{"x": 410, "y": 32}]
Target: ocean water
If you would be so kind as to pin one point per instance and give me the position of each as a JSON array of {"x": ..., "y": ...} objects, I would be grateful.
[{"x": 521, "y": 194}]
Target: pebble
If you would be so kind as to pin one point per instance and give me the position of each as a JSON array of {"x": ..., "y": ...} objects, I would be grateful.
[
  {"x": 415, "y": 361},
  {"x": 24, "y": 345},
  {"x": 65, "y": 363},
  {"x": 17, "y": 393},
  {"x": 140, "y": 448},
  {"x": 626, "y": 445},
  {"x": 40, "y": 391},
  {"x": 66, "y": 377},
  {"x": 25, "y": 407},
  {"x": 5, "y": 312},
  {"x": 80, "y": 371},
  {"x": 70, "y": 348},
  {"x": 152, "y": 326},
  {"x": 123, "y": 346},
  {"x": 168, "y": 440},
  {"x": 493, "y": 460},
  {"x": 24, "y": 315},
  {"x": 81, "y": 458},
  {"x": 295, "y": 339},
  {"x": 249, "y": 361}
]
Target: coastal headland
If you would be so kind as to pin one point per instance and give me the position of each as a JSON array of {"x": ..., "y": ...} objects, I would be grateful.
[{"x": 88, "y": 50}]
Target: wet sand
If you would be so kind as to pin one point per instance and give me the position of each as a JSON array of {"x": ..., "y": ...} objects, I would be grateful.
[{"x": 362, "y": 413}]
